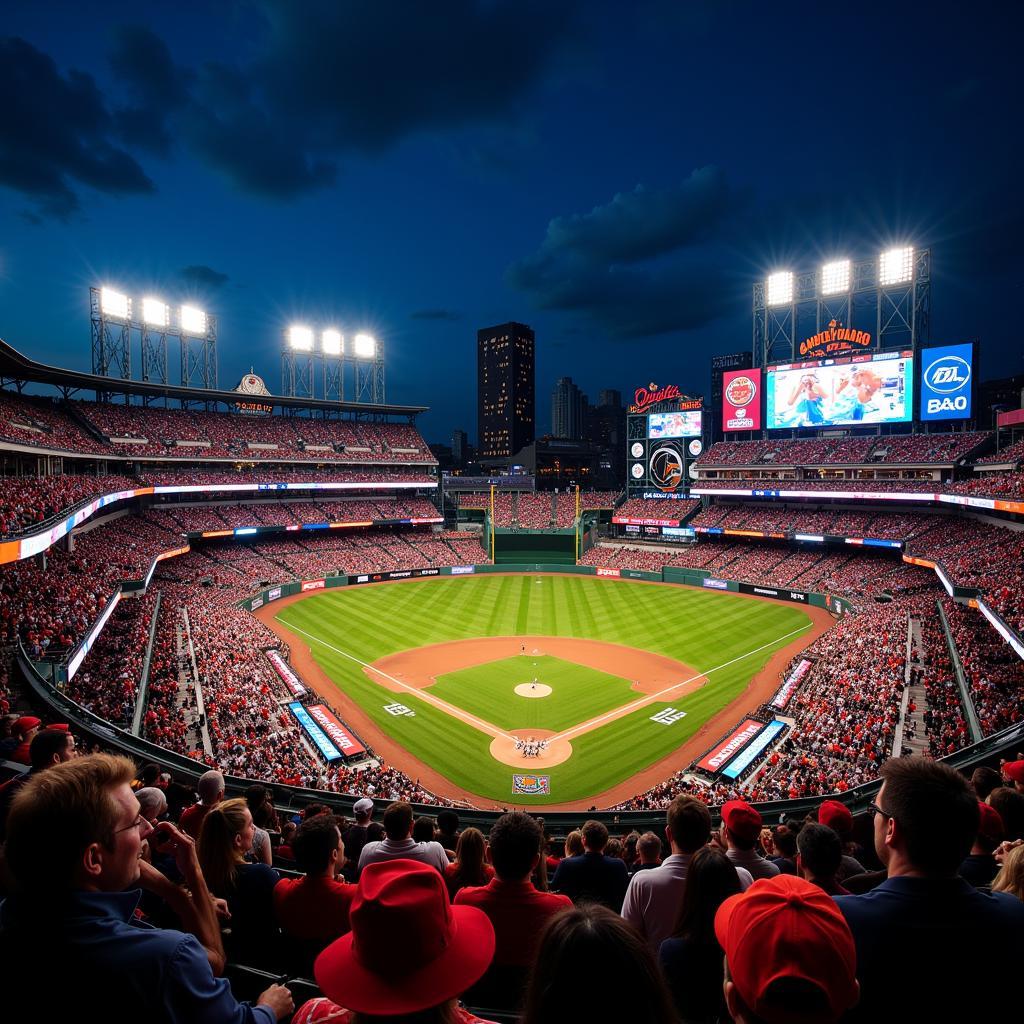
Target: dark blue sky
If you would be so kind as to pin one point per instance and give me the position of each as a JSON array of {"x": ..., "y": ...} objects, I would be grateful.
[{"x": 614, "y": 175}]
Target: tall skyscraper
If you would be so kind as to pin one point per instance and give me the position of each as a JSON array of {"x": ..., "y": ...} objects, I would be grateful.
[
  {"x": 506, "y": 414},
  {"x": 610, "y": 397},
  {"x": 459, "y": 445},
  {"x": 568, "y": 410}
]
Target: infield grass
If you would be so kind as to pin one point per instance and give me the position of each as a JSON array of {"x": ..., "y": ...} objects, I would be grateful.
[{"x": 728, "y": 637}]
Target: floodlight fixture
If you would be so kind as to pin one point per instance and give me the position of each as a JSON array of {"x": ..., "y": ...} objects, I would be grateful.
[
  {"x": 192, "y": 321},
  {"x": 331, "y": 342},
  {"x": 779, "y": 290},
  {"x": 155, "y": 312},
  {"x": 365, "y": 346},
  {"x": 115, "y": 304},
  {"x": 835, "y": 277},
  {"x": 300, "y": 338},
  {"x": 896, "y": 266}
]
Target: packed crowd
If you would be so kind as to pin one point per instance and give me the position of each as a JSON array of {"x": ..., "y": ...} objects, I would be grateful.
[
  {"x": 807, "y": 519},
  {"x": 28, "y": 501},
  {"x": 649, "y": 508}
]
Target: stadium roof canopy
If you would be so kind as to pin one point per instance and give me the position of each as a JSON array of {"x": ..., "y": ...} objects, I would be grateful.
[{"x": 18, "y": 369}]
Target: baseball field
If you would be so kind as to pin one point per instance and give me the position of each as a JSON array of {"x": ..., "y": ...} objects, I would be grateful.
[{"x": 595, "y": 679}]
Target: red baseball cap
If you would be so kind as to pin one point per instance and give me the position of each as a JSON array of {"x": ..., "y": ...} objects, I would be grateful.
[
  {"x": 837, "y": 816},
  {"x": 409, "y": 948},
  {"x": 786, "y": 927},
  {"x": 990, "y": 823},
  {"x": 1014, "y": 770},
  {"x": 741, "y": 819},
  {"x": 26, "y": 724}
]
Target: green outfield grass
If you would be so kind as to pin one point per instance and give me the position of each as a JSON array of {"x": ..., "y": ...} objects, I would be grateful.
[
  {"x": 728, "y": 636},
  {"x": 577, "y": 692}
]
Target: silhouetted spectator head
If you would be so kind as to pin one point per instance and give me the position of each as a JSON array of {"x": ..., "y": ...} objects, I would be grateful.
[
  {"x": 984, "y": 780},
  {"x": 574, "y": 843},
  {"x": 648, "y": 848},
  {"x": 448, "y": 823},
  {"x": 578, "y": 947},
  {"x": 515, "y": 840},
  {"x": 784, "y": 840},
  {"x": 423, "y": 829},
  {"x": 710, "y": 880},
  {"x": 687, "y": 824},
  {"x": 1010, "y": 805},
  {"x": 50, "y": 747},
  {"x": 820, "y": 852},
  {"x": 990, "y": 829},
  {"x": 742, "y": 824},
  {"x": 595, "y": 836},
  {"x": 789, "y": 954},
  {"x": 317, "y": 845},
  {"x": 398, "y": 821}
]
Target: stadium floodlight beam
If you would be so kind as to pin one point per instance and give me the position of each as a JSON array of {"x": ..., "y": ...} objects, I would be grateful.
[
  {"x": 300, "y": 338},
  {"x": 896, "y": 266},
  {"x": 115, "y": 304},
  {"x": 331, "y": 342},
  {"x": 835, "y": 277},
  {"x": 365, "y": 346},
  {"x": 155, "y": 312},
  {"x": 192, "y": 321},
  {"x": 779, "y": 288}
]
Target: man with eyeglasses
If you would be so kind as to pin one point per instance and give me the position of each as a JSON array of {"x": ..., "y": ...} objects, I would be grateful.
[
  {"x": 926, "y": 939},
  {"x": 74, "y": 844}
]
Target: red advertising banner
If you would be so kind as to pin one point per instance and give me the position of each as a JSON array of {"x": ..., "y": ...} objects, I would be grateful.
[
  {"x": 340, "y": 736},
  {"x": 609, "y": 572},
  {"x": 1010, "y": 419},
  {"x": 741, "y": 400},
  {"x": 724, "y": 752}
]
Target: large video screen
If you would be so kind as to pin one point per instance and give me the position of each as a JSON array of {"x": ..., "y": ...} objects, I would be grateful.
[
  {"x": 946, "y": 389},
  {"x": 841, "y": 392},
  {"x": 674, "y": 424}
]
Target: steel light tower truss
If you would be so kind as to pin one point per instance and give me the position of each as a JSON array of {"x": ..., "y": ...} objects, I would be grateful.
[
  {"x": 369, "y": 375},
  {"x": 297, "y": 377},
  {"x": 199, "y": 357},
  {"x": 334, "y": 378},
  {"x": 897, "y": 315},
  {"x": 111, "y": 341},
  {"x": 154, "y": 354}
]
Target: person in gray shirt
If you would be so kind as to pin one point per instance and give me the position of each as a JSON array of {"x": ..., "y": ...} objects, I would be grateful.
[{"x": 398, "y": 843}]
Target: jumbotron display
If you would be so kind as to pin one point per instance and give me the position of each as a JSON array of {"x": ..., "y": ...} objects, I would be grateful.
[
  {"x": 686, "y": 423},
  {"x": 841, "y": 392}
]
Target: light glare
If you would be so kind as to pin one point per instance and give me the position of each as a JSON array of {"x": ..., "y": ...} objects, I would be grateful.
[
  {"x": 193, "y": 321},
  {"x": 896, "y": 266},
  {"x": 155, "y": 312},
  {"x": 114, "y": 303},
  {"x": 331, "y": 342},
  {"x": 780, "y": 288},
  {"x": 835, "y": 277},
  {"x": 365, "y": 346},
  {"x": 300, "y": 338}
]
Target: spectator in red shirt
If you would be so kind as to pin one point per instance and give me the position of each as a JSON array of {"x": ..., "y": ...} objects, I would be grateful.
[{"x": 211, "y": 793}]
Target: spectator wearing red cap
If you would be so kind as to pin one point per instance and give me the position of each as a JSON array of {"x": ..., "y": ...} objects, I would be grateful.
[
  {"x": 1013, "y": 771},
  {"x": 789, "y": 954},
  {"x": 741, "y": 825},
  {"x": 837, "y": 817},
  {"x": 25, "y": 729},
  {"x": 979, "y": 867},
  {"x": 410, "y": 952},
  {"x": 924, "y": 921}
]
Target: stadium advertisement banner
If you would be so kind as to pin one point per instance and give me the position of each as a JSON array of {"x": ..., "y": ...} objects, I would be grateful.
[
  {"x": 85, "y": 646},
  {"x": 662, "y": 495},
  {"x": 398, "y": 574},
  {"x": 341, "y": 737},
  {"x": 740, "y": 764},
  {"x": 967, "y": 501},
  {"x": 288, "y": 676},
  {"x": 788, "y": 688},
  {"x": 741, "y": 400},
  {"x": 780, "y": 594},
  {"x": 313, "y": 585},
  {"x": 713, "y": 584},
  {"x": 311, "y": 485},
  {"x": 632, "y": 521},
  {"x": 947, "y": 373},
  {"x": 678, "y": 531},
  {"x": 329, "y": 751},
  {"x": 609, "y": 572},
  {"x": 725, "y": 751},
  {"x": 257, "y": 602},
  {"x": 274, "y": 593},
  {"x": 531, "y": 785},
  {"x": 841, "y": 392},
  {"x": 1013, "y": 418},
  {"x": 463, "y": 570}
]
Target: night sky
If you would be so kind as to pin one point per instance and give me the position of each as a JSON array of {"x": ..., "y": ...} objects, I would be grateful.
[{"x": 614, "y": 175}]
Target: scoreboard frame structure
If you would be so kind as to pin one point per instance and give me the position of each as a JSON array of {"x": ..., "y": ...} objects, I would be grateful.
[{"x": 659, "y": 467}]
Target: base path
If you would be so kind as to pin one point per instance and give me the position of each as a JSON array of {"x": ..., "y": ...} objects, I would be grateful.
[{"x": 759, "y": 690}]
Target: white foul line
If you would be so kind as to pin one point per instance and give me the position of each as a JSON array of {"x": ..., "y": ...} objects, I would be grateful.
[
  {"x": 650, "y": 698},
  {"x": 449, "y": 709}
]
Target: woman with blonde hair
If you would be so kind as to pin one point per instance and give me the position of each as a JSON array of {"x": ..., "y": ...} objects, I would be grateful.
[
  {"x": 1011, "y": 875},
  {"x": 469, "y": 867},
  {"x": 224, "y": 840}
]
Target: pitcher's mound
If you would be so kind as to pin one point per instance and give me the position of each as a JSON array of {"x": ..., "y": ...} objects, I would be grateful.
[{"x": 533, "y": 690}]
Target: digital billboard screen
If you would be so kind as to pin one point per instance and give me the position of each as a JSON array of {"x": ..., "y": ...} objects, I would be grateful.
[
  {"x": 674, "y": 424},
  {"x": 741, "y": 400},
  {"x": 946, "y": 382},
  {"x": 841, "y": 392}
]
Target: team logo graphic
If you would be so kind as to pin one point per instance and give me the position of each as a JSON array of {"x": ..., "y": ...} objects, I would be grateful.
[
  {"x": 695, "y": 447},
  {"x": 667, "y": 716},
  {"x": 666, "y": 467},
  {"x": 399, "y": 709},
  {"x": 948, "y": 374},
  {"x": 531, "y": 785},
  {"x": 637, "y": 450},
  {"x": 740, "y": 392},
  {"x": 637, "y": 470}
]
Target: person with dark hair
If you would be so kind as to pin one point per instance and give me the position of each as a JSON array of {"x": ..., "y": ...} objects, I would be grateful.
[
  {"x": 469, "y": 867},
  {"x": 979, "y": 867},
  {"x": 924, "y": 921},
  {"x": 592, "y": 966},
  {"x": 74, "y": 841},
  {"x": 423, "y": 829},
  {"x": 516, "y": 908},
  {"x": 1010, "y": 805},
  {"x": 399, "y": 844},
  {"x": 49, "y": 747},
  {"x": 691, "y": 959},
  {"x": 819, "y": 853},
  {"x": 593, "y": 876},
  {"x": 837, "y": 816},
  {"x": 409, "y": 956},
  {"x": 648, "y": 854},
  {"x": 984, "y": 780},
  {"x": 789, "y": 955},
  {"x": 652, "y": 902},
  {"x": 356, "y": 836},
  {"x": 741, "y": 826},
  {"x": 783, "y": 843},
  {"x": 263, "y": 814},
  {"x": 448, "y": 828}
]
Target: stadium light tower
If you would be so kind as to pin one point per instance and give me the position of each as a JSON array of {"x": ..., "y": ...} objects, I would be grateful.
[
  {"x": 156, "y": 318},
  {"x": 896, "y": 266},
  {"x": 110, "y": 318},
  {"x": 369, "y": 368},
  {"x": 835, "y": 277},
  {"x": 197, "y": 332},
  {"x": 297, "y": 362},
  {"x": 332, "y": 356},
  {"x": 780, "y": 288}
]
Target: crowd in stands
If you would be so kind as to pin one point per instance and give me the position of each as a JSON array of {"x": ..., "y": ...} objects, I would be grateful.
[
  {"x": 598, "y": 499},
  {"x": 28, "y": 501},
  {"x": 41, "y": 423},
  {"x": 994, "y": 485},
  {"x": 159, "y": 475},
  {"x": 1013, "y": 452},
  {"x": 649, "y": 508},
  {"x": 806, "y": 519},
  {"x": 533, "y": 511}
]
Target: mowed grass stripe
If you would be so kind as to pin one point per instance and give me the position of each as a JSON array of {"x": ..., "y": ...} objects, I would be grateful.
[{"x": 703, "y": 629}]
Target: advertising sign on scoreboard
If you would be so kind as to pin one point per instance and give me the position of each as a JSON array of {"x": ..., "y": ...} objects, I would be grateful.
[
  {"x": 947, "y": 382},
  {"x": 741, "y": 400}
]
